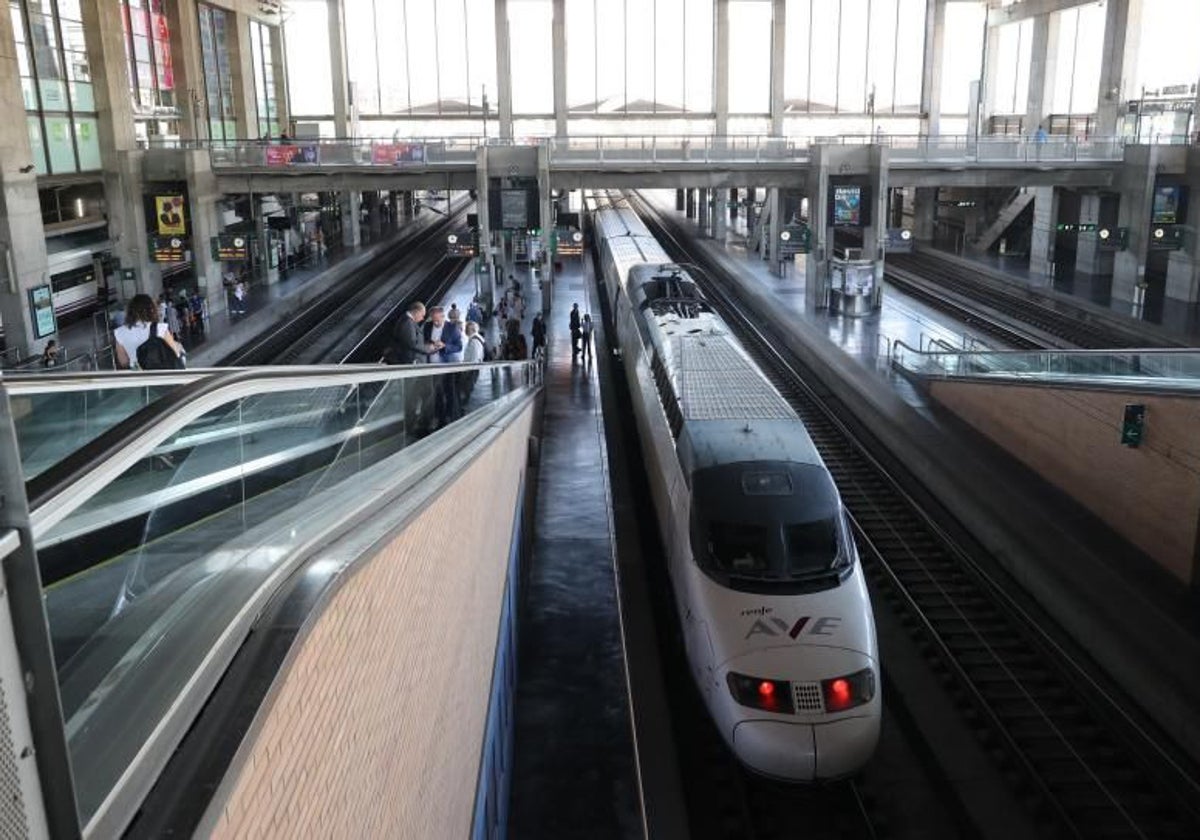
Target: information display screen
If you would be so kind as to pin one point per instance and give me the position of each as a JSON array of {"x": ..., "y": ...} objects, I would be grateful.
[
  {"x": 514, "y": 209},
  {"x": 847, "y": 205},
  {"x": 167, "y": 249},
  {"x": 1166, "y": 206},
  {"x": 232, "y": 247},
  {"x": 41, "y": 306}
]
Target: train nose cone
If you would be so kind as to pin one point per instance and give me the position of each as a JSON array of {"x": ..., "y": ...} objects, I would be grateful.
[{"x": 775, "y": 748}]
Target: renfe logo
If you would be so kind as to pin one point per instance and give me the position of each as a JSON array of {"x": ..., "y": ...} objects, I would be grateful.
[{"x": 772, "y": 626}]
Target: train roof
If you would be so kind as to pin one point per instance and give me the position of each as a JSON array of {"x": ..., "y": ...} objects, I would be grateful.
[{"x": 711, "y": 443}]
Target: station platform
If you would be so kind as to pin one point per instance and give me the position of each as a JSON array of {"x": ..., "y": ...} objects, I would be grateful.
[
  {"x": 1117, "y": 607},
  {"x": 1175, "y": 319},
  {"x": 575, "y": 771}
]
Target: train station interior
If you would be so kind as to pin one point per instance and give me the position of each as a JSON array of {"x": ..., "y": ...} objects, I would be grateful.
[{"x": 600, "y": 419}]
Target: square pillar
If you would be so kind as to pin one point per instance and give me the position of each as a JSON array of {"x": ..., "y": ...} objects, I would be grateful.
[
  {"x": 816, "y": 261},
  {"x": 1183, "y": 266},
  {"x": 241, "y": 58},
  {"x": 1135, "y": 181},
  {"x": 547, "y": 214},
  {"x": 719, "y": 219},
  {"x": 924, "y": 214},
  {"x": 1041, "y": 244},
  {"x": 482, "y": 201},
  {"x": 1118, "y": 63},
  {"x": 931, "y": 73},
  {"x": 503, "y": 71},
  {"x": 1042, "y": 64},
  {"x": 778, "y": 39},
  {"x": 689, "y": 205},
  {"x": 340, "y": 81},
  {"x": 559, "y": 52},
  {"x": 774, "y": 228},
  {"x": 374, "y": 220},
  {"x": 351, "y": 219},
  {"x": 187, "y": 64},
  {"x": 203, "y": 197},
  {"x": 721, "y": 68},
  {"x": 1089, "y": 257},
  {"x": 702, "y": 211}
]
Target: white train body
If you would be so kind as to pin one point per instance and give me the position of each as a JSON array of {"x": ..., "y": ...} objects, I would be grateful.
[{"x": 777, "y": 621}]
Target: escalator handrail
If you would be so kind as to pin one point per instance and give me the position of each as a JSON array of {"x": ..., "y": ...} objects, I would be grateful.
[
  {"x": 53, "y": 383},
  {"x": 57, "y": 492}
]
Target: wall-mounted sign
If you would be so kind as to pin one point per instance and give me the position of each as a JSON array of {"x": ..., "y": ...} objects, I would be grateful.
[
  {"x": 169, "y": 216},
  {"x": 41, "y": 307},
  {"x": 1133, "y": 425},
  {"x": 514, "y": 209},
  {"x": 847, "y": 205},
  {"x": 231, "y": 247},
  {"x": 1166, "y": 206},
  {"x": 396, "y": 154},
  {"x": 168, "y": 249}
]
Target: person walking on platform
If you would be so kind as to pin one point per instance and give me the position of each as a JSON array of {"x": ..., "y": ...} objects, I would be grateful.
[
  {"x": 408, "y": 346},
  {"x": 574, "y": 329},
  {"x": 514, "y": 348},
  {"x": 538, "y": 330},
  {"x": 474, "y": 352},
  {"x": 474, "y": 313},
  {"x": 585, "y": 337},
  {"x": 141, "y": 321}
]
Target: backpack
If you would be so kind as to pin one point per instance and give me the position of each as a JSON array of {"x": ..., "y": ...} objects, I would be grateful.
[{"x": 156, "y": 354}]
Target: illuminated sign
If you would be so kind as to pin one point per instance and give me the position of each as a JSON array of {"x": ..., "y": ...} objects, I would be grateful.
[
  {"x": 168, "y": 249},
  {"x": 847, "y": 205},
  {"x": 41, "y": 306},
  {"x": 231, "y": 247}
]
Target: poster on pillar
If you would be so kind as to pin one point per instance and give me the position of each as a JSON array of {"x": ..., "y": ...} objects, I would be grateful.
[
  {"x": 169, "y": 215},
  {"x": 41, "y": 307}
]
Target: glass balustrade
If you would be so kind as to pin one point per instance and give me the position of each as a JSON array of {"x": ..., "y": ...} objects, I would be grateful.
[{"x": 151, "y": 571}]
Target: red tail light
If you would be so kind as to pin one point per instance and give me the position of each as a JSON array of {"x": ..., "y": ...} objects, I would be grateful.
[
  {"x": 842, "y": 693},
  {"x": 757, "y": 693}
]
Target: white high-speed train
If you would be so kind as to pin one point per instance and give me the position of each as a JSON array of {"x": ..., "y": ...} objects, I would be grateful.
[{"x": 776, "y": 618}]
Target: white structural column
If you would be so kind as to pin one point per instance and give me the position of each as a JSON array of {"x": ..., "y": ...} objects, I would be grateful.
[
  {"x": 931, "y": 72},
  {"x": 721, "y": 69},
  {"x": 118, "y": 147},
  {"x": 991, "y": 73},
  {"x": 22, "y": 245},
  {"x": 778, "y": 41},
  {"x": 1042, "y": 64},
  {"x": 1122, "y": 23},
  {"x": 559, "y": 37},
  {"x": 339, "y": 75},
  {"x": 1041, "y": 239},
  {"x": 504, "y": 70}
]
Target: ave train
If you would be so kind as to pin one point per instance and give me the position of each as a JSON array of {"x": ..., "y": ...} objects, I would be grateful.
[{"x": 776, "y": 618}]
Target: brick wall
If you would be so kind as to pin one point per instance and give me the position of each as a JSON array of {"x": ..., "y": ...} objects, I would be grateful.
[{"x": 375, "y": 725}]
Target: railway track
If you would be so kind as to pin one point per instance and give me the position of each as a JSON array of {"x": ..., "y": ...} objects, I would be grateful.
[
  {"x": 329, "y": 314},
  {"x": 1069, "y": 749},
  {"x": 1072, "y": 327}
]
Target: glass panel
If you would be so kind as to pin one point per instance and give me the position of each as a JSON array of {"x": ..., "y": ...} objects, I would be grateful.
[
  {"x": 1089, "y": 49},
  {"x": 581, "y": 55},
  {"x": 361, "y": 62},
  {"x": 698, "y": 46},
  {"x": 823, "y": 57},
  {"x": 1064, "y": 61},
  {"x": 81, "y": 97},
  {"x": 60, "y": 145},
  {"x": 422, "y": 57},
  {"x": 852, "y": 53},
  {"x": 610, "y": 56},
  {"x": 795, "y": 55},
  {"x": 881, "y": 55},
  {"x": 1171, "y": 27},
  {"x": 38, "y": 145},
  {"x": 750, "y": 57},
  {"x": 88, "y": 138},
  {"x": 481, "y": 46},
  {"x": 910, "y": 52},
  {"x": 146, "y": 576},
  {"x": 669, "y": 51},
  {"x": 307, "y": 41},
  {"x": 639, "y": 57},
  {"x": 963, "y": 48},
  {"x": 531, "y": 60},
  {"x": 453, "y": 61}
]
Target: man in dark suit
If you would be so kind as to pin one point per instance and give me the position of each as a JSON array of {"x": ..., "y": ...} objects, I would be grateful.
[{"x": 408, "y": 344}]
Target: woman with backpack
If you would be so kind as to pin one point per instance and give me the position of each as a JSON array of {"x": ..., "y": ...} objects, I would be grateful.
[{"x": 142, "y": 342}]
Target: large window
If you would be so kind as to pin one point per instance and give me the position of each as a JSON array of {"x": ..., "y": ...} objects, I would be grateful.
[
  {"x": 148, "y": 57},
  {"x": 853, "y": 57},
  {"x": 56, "y": 85},
  {"x": 961, "y": 60},
  {"x": 638, "y": 57},
  {"x": 1014, "y": 48},
  {"x": 306, "y": 37},
  {"x": 750, "y": 56},
  {"x": 216, "y": 27},
  {"x": 261, "y": 38},
  {"x": 1078, "y": 59},
  {"x": 530, "y": 56}
]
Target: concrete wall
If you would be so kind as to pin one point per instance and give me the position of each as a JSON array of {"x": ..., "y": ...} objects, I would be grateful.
[
  {"x": 374, "y": 726},
  {"x": 1071, "y": 437}
]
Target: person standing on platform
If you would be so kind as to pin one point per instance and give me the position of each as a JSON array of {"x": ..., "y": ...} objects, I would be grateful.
[
  {"x": 474, "y": 313},
  {"x": 433, "y": 334},
  {"x": 408, "y": 348},
  {"x": 574, "y": 329},
  {"x": 538, "y": 330},
  {"x": 452, "y": 338},
  {"x": 514, "y": 348},
  {"x": 585, "y": 337}
]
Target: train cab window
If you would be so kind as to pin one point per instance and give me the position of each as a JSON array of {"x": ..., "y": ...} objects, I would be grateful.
[
  {"x": 738, "y": 547},
  {"x": 811, "y": 546}
]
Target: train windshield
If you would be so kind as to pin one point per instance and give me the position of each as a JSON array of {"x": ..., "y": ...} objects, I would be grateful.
[{"x": 785, "y": 526}]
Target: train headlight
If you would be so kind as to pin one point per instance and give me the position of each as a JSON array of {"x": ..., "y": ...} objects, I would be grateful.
[
  {"x": 759, "y": 693},
  {"x": 842, "y": 693}
]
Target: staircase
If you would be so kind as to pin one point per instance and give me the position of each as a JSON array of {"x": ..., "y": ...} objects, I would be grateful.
[{"x": 1021, "y": 199}]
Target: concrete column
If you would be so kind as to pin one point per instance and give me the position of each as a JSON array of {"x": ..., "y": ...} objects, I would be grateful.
[
  {"x": 1089, "y": 258},
  {"x": 774, "y": 227},
  {"x": 482, "y": 201},
  {"x": 1135, "y": 182},
  {"x": 679, "y": 201},
  {"x": 187, "y": 65},
  {"x": 241, "y": 59},
  {"x": 351, "y": 220},
  {"x": 559, "y": 49},
  {"x": 374, "y": 220},
  {"x": 279, "y": 68},
  {"x": 503, "y": 70},
  {"x": 816, "y": 262},
  {"x": 931, "y": 73},
  {"x": 1042, "y": 64},
  {"x": 719, "y": 218},
  {"x": 875, "y": 234},
  {"x": 547, "y": 213},
  {"x": 733, "y": 204},
  {"x": 991, "y": 73},
  {"x": 924, "y": 214},
  {"x": 702, "y": 211},
  {"x": 721, "y": 68},
  {"x": 203, "y": 197},
  {"x": 1045, "y": 217},
  {"x": 339, "y": 75},
  {"x": 22, "y": 239},
  {"x": 119, "y": 155},
  {"x": 1122, "y": 25},
  {"x": 778, "y": 40},
  {"x": 690, "y": 204}
]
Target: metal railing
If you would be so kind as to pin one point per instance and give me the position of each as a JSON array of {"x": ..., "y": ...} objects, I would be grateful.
[
  {"x": 1156, "y": 369},
  {"x": 699, "y": 150}
]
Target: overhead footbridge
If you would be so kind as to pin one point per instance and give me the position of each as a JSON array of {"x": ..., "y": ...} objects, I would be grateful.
[{"x": 229, "y": 582}]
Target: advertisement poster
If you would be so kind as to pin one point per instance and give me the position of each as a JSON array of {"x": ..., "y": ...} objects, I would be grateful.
[
  {"x": 1166, "y": 206},
  {"x": 292, "y": 154},
  {"x": 394, "y": 154},
  {"x": 847, "y": 205},
  {"x": 168, "y": 212},
  {"x": 514, "y": 209},
  {"x": 41, "y": 306}
]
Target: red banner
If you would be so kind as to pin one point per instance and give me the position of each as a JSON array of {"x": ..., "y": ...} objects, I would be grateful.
[
  {"x": 397, "y": 154},
  {"x": 291, "y": 154}
]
